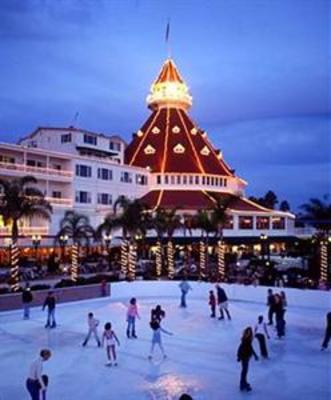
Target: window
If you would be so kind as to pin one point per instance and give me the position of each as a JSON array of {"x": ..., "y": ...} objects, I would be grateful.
[
  {"x": 105, "y": 198},
  {"x": 225, "y": 181},
  {"x": 197, "y": 179},
  {"x": 212, "y": 181},
  {"x": 203, "y": 180},
  {"x": 216, "y": 182},
  {"x": 191, "y": 180},
  {"x": 83, "y": 171},
  {"x": 83, "y": 197},
  {"x": 262, "y": 223},
  {"x": 221, "y": 181},
  {"x": 34, "y": 163},
  {"x": 278, "y": 223},
  {"x": 57, "y": 194},
  {"x": 66, "y": 138},
  {"x": 105, "y": 174},
  {"x": 90, "y": 139},
  {"x": 57, "y": 167},
  {"x": 7, "y": 160},
  {"x": 178, "y": 179},
  {"x": 229, "y": 223},
  {"x": 166, "y": 179},
  {"x": 172, "y": 179},
  {"x": 141, "y": 179},
  {"x": 184, "y": 180},
  {"x": 245, "y": 222},
  {"x": 115, "y": 146},
  {"x": 158, "y": 179},
  {"x": 126, "y": 177},
  {"x": 208, "y": 180}
]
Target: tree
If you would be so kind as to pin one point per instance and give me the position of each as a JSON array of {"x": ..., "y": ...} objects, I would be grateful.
[
  {"x": 270, "y": 200},
  {"x": 134, "y": 218},
  {"x": 78, "y": 229},
  {"x": 206, "y": 224},
  {"x": 284, "y": 206},
  {"x": 220, "y": 217},
  {"x": 317, "y": 213},
  {"x": 18, "y": 201}
]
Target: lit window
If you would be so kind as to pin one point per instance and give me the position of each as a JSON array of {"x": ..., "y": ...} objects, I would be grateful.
[
  {"x": 141, "y": 179},
  {"x": 245, "y": 222},
  {"x": 229, "y": 223},
  {"x": 262, "y": 223},
  {"x": 278, "y": 223}
]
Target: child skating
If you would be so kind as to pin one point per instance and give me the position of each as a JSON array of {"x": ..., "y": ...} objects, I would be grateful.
[
  {"x": 92, "y": 329},
  {"x": 261, "y": 332},
  {"x": 212, "y": 304},
  {"x": 156, "y": 338},
  {"x": 111, "y": 339},
  {"x": 131, "y": 316}
]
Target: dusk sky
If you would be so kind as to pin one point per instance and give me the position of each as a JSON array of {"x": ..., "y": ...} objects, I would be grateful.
[{"x": 258, "y": 71}]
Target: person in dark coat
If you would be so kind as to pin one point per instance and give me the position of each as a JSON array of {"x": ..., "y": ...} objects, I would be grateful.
[
  {"x": 271, "y": 305},
  {"x": 327, "y": 335},
  {"x": 50, "y": 303},
  {"x": 279, "y": 312},
  {"x": 27, "y": 298},
  {"x": 157, "y": 314},
  {"x": 244, "y": 354},
  {"x": 222, "y": 300}
]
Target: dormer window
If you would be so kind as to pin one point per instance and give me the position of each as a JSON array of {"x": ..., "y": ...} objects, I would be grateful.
[
  {"x": 179, "y": 149},
  {"x": 149, "y": 149}
]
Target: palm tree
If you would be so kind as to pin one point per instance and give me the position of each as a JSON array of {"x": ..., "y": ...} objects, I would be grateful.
[
  {"x": 18, "y": 200},
  {"x": 78, "y": 229},
  {"x": 159, "y": 224},
  {"x": 172, "y": 223},
  {"x": 205, "y": 223},
  {"x": 133, "y": 219},
  {"x": 220, "y": 217},
  {"x": 317, "y": 213}
]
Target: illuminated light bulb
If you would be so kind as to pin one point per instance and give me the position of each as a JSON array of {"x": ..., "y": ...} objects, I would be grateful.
[
  {"x": 140, "y": 133},
  {"x": 149, "y": 149},
  {"x": 155, "y": 130},
  {"x": 179, "y": 149},
  {"x": 194, "y": 131},
  {"x": 176, "y": 129},
  {"x": 205, "y": 151}
]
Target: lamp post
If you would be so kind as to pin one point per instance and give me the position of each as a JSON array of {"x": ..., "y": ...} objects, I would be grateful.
[
  {"x": 36, "y": 240},
  {"x": 263, "y": 239},
  {"x": 63, "y": 241}
]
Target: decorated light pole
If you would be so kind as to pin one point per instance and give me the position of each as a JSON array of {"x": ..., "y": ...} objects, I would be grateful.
[
  {"x": 36, "y": 240},
  {"x": 220, "y": 260},
  {"x": 324, "y": 261},
  {"x": 107, "y": 237},
  {"x": 263, "y": 239}
]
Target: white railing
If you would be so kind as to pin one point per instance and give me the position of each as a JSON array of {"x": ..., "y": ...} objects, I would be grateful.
[
  {"x": 60, "y": 202},
  {"x": 35, "y": 170},
  {"x": 25, "y": 230}
]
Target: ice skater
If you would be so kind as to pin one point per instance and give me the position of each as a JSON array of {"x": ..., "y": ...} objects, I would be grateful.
[
  {"x": 271, "y": 306},
  {"x": 184, "y": 288},
  {"x": 50, "y": 303},
  {"x": 36, "y": 381},
  {"x": 212, "y": 303},
  {"x": 261, "y": 332},
  {"x": 157, "y": 314},
  {"x": 131, "y": 316},
  {"x": 156, "y": 338},
  {"x": 279, "y": 312},
  {"x": 111, "y": 339},
  {"x": 327, "y": 335},
  {"x": 92, "y": 329},
  {"x": 222, "y": 300},
  {"x": 244, "y": 354},
  {"x": 27, "y": 298}
]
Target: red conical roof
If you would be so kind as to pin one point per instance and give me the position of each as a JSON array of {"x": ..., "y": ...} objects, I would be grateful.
[
  {"x": 169, "y": 142},
  {"x": 169, "y": 73}
]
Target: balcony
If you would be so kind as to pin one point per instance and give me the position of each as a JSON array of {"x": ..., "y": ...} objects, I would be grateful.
[
  {"x": 29, "y": 170},
  {"x": 59, "y": 202},
  {"x": 25, "y": 230}
]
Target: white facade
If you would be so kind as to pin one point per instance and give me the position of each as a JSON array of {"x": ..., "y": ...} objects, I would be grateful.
[{"x": 73, "y": 175}]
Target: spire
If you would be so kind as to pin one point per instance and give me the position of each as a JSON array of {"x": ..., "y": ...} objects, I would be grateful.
[{"x": 169, "y": 89}]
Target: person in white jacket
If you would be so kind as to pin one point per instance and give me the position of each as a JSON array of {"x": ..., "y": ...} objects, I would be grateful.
[
  {"x": 261, "y": 332},
  {"x": 36, "y": 381},
  {"x": 185, "y": 288},
  {"x": 92, "y": 329}
]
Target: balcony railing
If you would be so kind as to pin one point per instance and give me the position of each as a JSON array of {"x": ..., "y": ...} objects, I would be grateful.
[
  {"x": 60, "y": 202},
  {"x": 25, "y": 230},
  {"x": 35, "y": 170}
]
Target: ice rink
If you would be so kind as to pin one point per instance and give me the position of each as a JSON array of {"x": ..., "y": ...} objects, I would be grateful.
[{"x": 201, "y": 354}]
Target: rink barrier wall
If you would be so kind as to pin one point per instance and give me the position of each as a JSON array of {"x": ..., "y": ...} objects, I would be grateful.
[
  {"x": 74, "y": 293},
  {"x": 200, "y": 290}
]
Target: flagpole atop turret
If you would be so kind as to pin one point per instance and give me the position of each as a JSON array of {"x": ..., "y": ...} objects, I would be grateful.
[{"x": 167, "y": 35}]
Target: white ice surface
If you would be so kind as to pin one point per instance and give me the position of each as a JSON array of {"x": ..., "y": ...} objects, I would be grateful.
[{"x": 201, "y": 354}]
